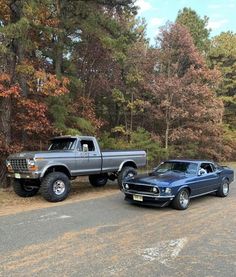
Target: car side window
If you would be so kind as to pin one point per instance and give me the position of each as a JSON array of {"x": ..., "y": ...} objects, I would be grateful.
[
  {"x": 90, "y": 144},
  {"x": 207, "y": 167},
  {"x": 213, "y": 167}
]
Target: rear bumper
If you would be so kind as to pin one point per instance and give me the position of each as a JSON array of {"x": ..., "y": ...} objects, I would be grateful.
[
  {"x": 157, "y": 201},
  {"x": 24, "y": 175}
]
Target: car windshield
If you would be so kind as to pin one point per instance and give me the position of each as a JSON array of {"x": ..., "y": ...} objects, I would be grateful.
[
  {"x": 62, "y": 144},
  {"x": 182, "y": 167}
]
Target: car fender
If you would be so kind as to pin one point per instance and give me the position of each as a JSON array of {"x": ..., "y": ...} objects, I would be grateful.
[{"x": 183, "y": 187}]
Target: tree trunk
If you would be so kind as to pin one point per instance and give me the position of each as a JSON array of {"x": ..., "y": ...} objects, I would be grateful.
[{"x": 167, "y": 134}]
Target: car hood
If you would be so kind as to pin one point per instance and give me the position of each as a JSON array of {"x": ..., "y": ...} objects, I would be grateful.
[{"x": 164, "y": 179}]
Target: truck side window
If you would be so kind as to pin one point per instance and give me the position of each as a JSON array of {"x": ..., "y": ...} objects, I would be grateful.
[{"x": 89, "y": 143}]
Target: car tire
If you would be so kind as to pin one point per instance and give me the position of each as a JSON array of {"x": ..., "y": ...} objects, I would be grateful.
[
  {"x": 25, "y": 188},
  {"x": 98, "y": 180},
  {"x": 55, "y": 187},
  {"x": 223, "y": 189},
  {"x": 182, "y": 200},
  {"x": 126, "y": 172}
]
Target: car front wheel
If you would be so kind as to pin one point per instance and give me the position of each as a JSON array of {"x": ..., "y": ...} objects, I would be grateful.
[{"x": 182, "y": 200}]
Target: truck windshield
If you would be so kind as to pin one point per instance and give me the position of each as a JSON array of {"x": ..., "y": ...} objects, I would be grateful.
[
  {"x": 182, "y": 167},
  {"x": 62, "y": 144}
]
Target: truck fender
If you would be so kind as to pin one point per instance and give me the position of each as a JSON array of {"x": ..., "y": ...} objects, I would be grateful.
[
  {"x": 53, "y": 165},
  {"x": 129, "y": 163}
]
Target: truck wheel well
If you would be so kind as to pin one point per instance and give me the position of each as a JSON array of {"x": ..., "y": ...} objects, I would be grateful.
[
  {"x": 58, "y": 168},
  {"x": 131, "y": 164}
]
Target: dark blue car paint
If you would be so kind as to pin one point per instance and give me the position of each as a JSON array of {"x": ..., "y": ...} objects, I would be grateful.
[{"x": 197, "y": 185}]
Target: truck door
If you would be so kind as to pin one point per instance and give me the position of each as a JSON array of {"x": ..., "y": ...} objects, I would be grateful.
[{"x": 90, "y": 161}]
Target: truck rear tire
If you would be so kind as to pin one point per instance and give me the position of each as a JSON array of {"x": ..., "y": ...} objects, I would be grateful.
[
  {"x": 125, "y": 173},
  {"x": 25, "y": 188},
  {"x": 55, "y": 187},
  {"x": 98, "y": 180}
]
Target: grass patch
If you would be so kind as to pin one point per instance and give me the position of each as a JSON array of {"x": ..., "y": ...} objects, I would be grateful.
[{"x": 81, "y": 190}]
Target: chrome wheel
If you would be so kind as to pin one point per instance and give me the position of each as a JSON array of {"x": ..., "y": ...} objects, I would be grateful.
[
  {"x": 225, "y": 188},
  {"x": 59, "y": 187},
  {"x": 184, "y": 199}
]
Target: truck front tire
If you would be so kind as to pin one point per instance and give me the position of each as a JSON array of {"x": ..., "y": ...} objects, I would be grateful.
[
  {"x": 125, "y": 173},
  {"x": 55, "y": 187},
  {"x": 98, "y": 180},
  {"x": 25, "y": 188}
]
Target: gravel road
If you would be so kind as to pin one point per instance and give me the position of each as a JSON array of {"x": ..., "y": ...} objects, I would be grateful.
[{"x": 109, "y": 237}]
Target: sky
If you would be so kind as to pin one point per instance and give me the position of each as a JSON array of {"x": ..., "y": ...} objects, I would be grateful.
[{"x": 221, "y": 13}]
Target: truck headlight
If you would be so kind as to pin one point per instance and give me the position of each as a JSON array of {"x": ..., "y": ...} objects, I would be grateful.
[
  {"x": 31, "y": 165},
  {"x": 9, "y": 167}
]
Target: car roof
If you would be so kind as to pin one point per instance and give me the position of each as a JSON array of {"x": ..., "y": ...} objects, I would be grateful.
[{"x": 189, "y": 161}]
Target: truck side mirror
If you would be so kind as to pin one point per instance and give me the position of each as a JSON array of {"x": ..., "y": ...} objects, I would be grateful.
[{"x": 85, "y": 148}]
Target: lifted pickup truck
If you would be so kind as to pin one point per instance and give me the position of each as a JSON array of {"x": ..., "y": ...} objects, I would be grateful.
[{"x": 67, "y": 158}]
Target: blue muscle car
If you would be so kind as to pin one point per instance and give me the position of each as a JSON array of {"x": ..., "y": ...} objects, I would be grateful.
[{"x": 176, "y": 181}]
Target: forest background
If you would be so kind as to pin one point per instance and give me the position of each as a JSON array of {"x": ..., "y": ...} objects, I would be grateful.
[{"x": 86, "y": 67}]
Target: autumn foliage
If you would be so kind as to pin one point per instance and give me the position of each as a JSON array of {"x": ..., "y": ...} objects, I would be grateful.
[{"x": 86, "y": 67}]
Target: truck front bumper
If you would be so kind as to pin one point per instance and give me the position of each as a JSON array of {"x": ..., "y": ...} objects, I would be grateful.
[{"x": 24, "y": 175}]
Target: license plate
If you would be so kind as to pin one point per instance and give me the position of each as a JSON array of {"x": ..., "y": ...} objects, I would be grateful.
[
  {"x": 17, "y": 176},
  {"x": 138, "y": 198}
]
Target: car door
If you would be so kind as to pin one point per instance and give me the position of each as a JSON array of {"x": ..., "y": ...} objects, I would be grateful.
[
  {"x": 88, "y": 162},
  {"x": 208, "y": 181}
]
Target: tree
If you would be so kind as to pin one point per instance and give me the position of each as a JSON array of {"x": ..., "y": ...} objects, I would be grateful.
[
  {"x": 184, "y": 106},
  {"x": 197, "y": 27},
  {"x": 222, "y": 55}
]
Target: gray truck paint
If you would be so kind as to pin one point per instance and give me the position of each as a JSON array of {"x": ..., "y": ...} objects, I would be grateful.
[{"x": 77, "y": 162}]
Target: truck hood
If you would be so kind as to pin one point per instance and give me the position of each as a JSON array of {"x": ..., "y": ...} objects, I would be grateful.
[
  {"x": 41, "y": 154},
  {"x": 164, "y": 179}
]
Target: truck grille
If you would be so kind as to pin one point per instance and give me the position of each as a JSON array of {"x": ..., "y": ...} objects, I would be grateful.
[
  {"x": 19, "y": 165},
  {"x": 141, "y": 188}
]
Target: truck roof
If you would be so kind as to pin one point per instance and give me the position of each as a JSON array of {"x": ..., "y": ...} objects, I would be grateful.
[{"x": 72, "y": 137}]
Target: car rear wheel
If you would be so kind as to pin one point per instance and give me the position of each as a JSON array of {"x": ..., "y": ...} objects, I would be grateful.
[
  {"x": 182, "y": 200},
  {"x": 224, "y": 189},
  {"x": 126, "y": 172},
  {"x": 55, "y": 187},
  {"x": 25, "y": 188},
  {"x": 98, "y": 180}
]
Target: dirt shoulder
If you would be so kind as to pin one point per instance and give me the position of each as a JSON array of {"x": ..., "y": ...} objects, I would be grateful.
[{"x": 81, "y": 190}]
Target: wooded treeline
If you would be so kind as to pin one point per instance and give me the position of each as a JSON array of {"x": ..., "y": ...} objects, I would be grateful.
[{"x": 86, "y": 67}]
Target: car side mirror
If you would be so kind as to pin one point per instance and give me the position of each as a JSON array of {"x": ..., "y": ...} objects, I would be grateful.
[
  {"x": 85, "y": 148},
  {"x": 201, "y": 172}
]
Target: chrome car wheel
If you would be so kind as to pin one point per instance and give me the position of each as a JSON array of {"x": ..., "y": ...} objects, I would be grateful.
[
  {"x": 225, "y": 188},
  {"x": 184, "y": 199},
  {"x": 181, "y": 200},
  {"x": 59, "y": 187}
]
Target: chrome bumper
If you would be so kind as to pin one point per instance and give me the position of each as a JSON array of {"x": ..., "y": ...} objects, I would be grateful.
[
  {"x": 153, "y": 196},
  {"x": 24, "y": 175}
]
